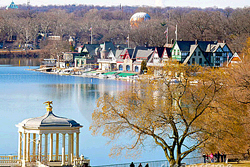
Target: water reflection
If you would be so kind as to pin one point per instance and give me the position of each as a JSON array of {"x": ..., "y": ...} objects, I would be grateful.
[
  {"x": 22, "y": 93},
  {"x": 85, "y": 95},
  {"x": 20, "y": 61}
]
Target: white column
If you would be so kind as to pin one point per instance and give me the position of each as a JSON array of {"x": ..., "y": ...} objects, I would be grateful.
[
  {"x": 57, "y": 146},
  {"x": 72, "y": 146},
  {"x": 69, "y": 148},
  {"x": 40, "y": 147},
  {"x": 46, "y": 148},
  {"x": 24, "y": 145},
  {"x": 63, "y": 149},
  {"x": 28, "y": 147},
  {"x": 51, "y": 147},
  {"x": 34, "y": 148},
  {"x": 20, "y": 146},
  {"x": 77, "y": 145}
]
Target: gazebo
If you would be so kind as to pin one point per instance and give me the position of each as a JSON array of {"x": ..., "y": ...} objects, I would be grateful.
[{"x": 38, "y": 134}]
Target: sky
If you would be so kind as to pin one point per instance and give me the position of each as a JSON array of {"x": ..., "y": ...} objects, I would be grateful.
[{"x": 154, "y": 3}]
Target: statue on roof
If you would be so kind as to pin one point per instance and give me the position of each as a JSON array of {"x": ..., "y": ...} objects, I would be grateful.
[{"x": 48, "y": 103}]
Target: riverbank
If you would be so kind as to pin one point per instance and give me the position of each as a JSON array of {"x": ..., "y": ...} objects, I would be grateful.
[{"x": 117, "y": 75}]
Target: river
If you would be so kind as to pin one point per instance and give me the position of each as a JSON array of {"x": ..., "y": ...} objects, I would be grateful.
[{"x": 22, "y": 93}]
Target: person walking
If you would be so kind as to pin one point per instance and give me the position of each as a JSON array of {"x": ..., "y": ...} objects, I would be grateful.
[
  {"x": 146, "y": 165},
  {"x": 140, "y": 165},
  {"x": 219, "y": 157},
  {"x": 211, "y": 156},
  {"x": 215, "y": 157},
  {"x": 205, "y": 157},
  {"x": 224, "y": 157},
  {"x": 132, "y": 164}
]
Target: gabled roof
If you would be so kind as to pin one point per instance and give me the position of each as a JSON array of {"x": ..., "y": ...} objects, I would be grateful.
[
  {"x": 168, "y": 50},
  {"x": 90, "y": 48},
  {"x": 111, "y": 54},
  {"x": 192, "y": 49},
  {"x": 185, "y": 45},
  {"x": 235, "y": 58},
  {"x": 136, "y": 50},
  {"x": 222, "y": 44},
  {"x": 144, "y": 53},
  {"x": 160, "y": 51},
  {"x": 129, "y": 52},
  {"x": 118, "y": 53},
  {"x": 163, "y": 53},
  {"x": 106, "y": 46},
  {"x": 213, "y": 48}
]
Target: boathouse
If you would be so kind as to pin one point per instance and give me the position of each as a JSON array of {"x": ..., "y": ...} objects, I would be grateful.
[{"x": 41, "y": 139}]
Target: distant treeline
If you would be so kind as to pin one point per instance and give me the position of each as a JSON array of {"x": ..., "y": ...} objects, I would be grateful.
[
  {"x": 31, "y": 25},
  {"x": 19, "y": 54}
]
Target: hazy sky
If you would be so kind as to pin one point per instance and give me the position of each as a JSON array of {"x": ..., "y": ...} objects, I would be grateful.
[{"x": 164, "y": 3}]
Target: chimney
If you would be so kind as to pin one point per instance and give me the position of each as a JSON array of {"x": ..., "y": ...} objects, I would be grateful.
[{"x": 196, "y": 42}]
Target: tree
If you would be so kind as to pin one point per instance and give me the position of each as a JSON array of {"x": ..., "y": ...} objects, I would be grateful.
[
  {"x": 175, "y": 113},
  {"x": 144, "y": 66},
  {"x": 150, "y": 32},
  {"x": 236, "y": 98},
  {"x": 54, "y": 49}
]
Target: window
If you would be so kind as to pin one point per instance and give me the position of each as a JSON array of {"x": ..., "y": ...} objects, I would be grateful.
[
  {"x": 127, "y": 67},
  {"x": 120, "y": 67},
  {"x": 178, "y": 52},
  {"x": 193, "y": 60},
  {"x": 136, "y": 68},
  {"x": 217, "y": 59},
  {"x": 199, "y": 53},
  {"x": 200, "y": 61},
  {"x": 218, "y": 54},
  {"x": 194, "y": 53},
  {"x": 174, "y": 52}
]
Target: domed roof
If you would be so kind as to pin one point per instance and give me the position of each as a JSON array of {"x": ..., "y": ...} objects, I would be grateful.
[
  {"x": 140, "y": 16},
  {"x": 48, "y": 120}
]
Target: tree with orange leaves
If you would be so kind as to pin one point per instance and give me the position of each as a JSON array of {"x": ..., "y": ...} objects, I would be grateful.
[{"x": 179, "y": 112}]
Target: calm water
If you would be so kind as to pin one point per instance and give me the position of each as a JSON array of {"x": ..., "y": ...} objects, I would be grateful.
[{"x": 22, "y": 93}]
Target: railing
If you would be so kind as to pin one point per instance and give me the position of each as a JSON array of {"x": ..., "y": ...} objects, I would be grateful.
[
  {"x": 10, "y": 160},
  {"x": 160, "y": 163},
  {"x": 193, "y": 160},
  {"x": 155, "y": 64},
  {"x": 81, "y": 162},
  {"x": 106, "y": 60}
]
